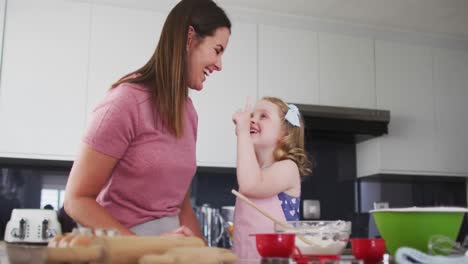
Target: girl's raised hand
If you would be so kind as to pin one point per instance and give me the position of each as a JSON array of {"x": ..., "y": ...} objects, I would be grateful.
[{"x": 242, "y": 118}]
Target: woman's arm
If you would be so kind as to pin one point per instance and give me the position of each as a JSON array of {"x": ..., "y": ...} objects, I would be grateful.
[
  {"x": 90, "y": 172},
  {"x": 187, "y": 217}
]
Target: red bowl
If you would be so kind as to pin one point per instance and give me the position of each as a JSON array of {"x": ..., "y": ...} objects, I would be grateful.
[
  {"x": 275, "y": 245},
  {"x": 370, "y": 250}
]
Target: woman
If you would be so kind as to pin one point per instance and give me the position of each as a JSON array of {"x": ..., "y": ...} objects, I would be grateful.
[{"x": 137, "y": 159}]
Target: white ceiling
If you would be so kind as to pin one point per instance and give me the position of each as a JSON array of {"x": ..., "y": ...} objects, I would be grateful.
[
  {"x": 445, "y": 17},
  {"x": 448, "y": 17}
]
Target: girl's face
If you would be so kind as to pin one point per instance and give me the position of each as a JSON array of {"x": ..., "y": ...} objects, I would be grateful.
[
  {"x": 204, "y": 55},
  {"x": 266, "y": 124}
]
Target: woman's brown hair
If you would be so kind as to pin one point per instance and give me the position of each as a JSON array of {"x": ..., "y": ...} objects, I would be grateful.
[
  {"x": 166, "y": 72},
  {"x": 291, "y": 145}
]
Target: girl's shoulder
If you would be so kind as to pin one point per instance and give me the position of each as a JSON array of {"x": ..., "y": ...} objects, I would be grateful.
[
  {"x": 286, "y": 164},
  {"x": 286, "y": 169},
  {"x": 290, "y": 171}
]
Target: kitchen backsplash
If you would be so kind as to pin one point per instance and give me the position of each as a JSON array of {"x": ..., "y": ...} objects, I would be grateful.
[{"x": 213, "y": 186}]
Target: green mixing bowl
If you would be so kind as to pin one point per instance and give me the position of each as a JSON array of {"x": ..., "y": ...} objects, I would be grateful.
[{"x": 412, "y": 227}]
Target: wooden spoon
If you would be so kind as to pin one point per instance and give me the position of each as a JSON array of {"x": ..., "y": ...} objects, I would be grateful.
[{"x": 266, "y": 214}]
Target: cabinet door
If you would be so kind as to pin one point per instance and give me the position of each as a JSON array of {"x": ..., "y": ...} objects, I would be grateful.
[
  {"x": 122, "y": 40},
  {"x": 451, "y": 90},
  {"x": 2, "y": 24},
  {"x": 404, "y": 86},
  {"x": 288, "y": 64},
  {"x": 346, "y": 71},
  {"x": 43, "y": 86},
  {"x": 224, "y": 93}
]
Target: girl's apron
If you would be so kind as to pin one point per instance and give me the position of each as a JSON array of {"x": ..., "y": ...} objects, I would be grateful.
[{"x": 248, "y": 220}]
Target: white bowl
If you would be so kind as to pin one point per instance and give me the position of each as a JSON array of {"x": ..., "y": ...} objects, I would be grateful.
[{"x": 318, "y": 237}]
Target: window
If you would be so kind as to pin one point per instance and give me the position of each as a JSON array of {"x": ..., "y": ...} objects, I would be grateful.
[
  {"x": 53, "y": 189},
  {"x": 53, "y": 197}
]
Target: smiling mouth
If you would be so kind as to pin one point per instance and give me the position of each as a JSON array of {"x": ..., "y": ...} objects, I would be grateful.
[{"x": 253, "y": 131}]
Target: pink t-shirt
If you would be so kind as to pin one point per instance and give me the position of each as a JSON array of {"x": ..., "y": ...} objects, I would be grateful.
[{"x": 155, "y": 169}]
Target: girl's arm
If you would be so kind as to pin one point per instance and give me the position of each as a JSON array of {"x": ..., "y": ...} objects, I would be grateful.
[
  {"x": 248, "y": 169},
  {"x": 254, "y": 181},
  {"x": 90, "y": 172}
]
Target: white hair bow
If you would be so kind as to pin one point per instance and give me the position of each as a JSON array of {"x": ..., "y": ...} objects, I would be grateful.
[{"x": 293, "y": 115}]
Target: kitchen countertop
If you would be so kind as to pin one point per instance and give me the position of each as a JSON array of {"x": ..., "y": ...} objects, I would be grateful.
[
  {"x": 3, "y": 254},
  {"x": 22, "y": 253}
]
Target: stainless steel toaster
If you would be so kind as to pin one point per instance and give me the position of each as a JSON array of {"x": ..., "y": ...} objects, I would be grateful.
[{"x": 32, "y": 226}]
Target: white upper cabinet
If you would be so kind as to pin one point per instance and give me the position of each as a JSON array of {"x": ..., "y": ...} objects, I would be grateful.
[
  {"x": 59, "y": 57},
  {"x": 42, "y": 94},
  {"x": 451, "y": 107},
  {"x": 288, "y": 64},
  {"x": 2, "y": 23},
  {"x": 346, "y": 71},
  {"x": 122, "y": 40},
  {"x": 223, "y": 94},
  {"x": 404, "y": 86}
]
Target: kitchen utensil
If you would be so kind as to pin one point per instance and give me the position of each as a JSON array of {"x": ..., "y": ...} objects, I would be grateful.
[
  {"x": 32, "y": 226},
  {"x": 413, "y": 227},
  {"x": 275, "y": 245},
  {"x": 328, "y": 237},
  {"x": 276, "y": 221},
  {"x": 370, "y": 250},
  {"x": 205, "y": 255},
  {"x": 442, "y": 245},
  {"x": 227, "y": 212},
  {"x": 249, "y": 202},
  {"x": 211, "y": 224},
  {"x": 406, "y": 255}
]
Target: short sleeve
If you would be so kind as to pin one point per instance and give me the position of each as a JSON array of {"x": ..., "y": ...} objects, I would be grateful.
[
  {"x": 192, "y": 117},
  {"x": 113, "y": 123}
]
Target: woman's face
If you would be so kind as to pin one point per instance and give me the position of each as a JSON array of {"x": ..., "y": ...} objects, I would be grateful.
[{"x": 204, "y": 56}]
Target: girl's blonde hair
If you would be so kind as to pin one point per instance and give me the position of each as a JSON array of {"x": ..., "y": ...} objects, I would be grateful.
[
  {"x": 166, "y": 71},
  {"x": 291, "y": 145}
]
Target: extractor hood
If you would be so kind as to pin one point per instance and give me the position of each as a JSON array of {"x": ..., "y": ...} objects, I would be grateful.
[{"x": 331, "y": 122}]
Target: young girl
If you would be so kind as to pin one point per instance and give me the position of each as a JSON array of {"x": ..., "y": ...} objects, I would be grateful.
[{"x": 270, "y": 162}]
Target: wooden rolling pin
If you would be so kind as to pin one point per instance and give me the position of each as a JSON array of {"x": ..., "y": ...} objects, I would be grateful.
[
  {"x": 206, "y": 255},
  {"x": 75, "y": 254},
  {"x": 120, "y": 249}
]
